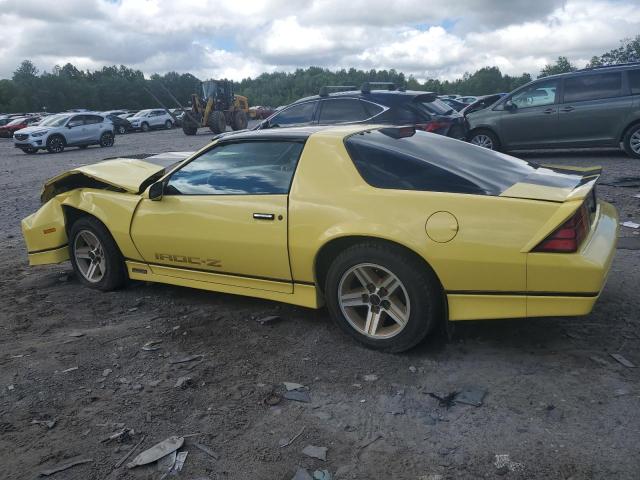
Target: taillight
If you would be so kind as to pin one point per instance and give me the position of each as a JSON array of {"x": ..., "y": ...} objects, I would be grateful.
[
  {"x": 431, "y": 126},
  {"x": 568, "y": 237}
]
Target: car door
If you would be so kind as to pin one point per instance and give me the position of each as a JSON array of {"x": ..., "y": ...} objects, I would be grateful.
[
  {"x": 75, "y": 133},
  {"x": 223, "y": 217},
  {"x": 93, "y": 127},
  {"x": 295, "y": 115},
  {"x": 529, "y": 118},
  {"x": 593, "y": 110}
]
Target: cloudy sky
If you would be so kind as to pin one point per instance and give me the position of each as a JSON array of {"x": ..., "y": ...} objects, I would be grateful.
[{"x": 241, "y": 38}]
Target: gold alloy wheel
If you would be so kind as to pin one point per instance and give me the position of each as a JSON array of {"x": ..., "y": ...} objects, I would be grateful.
[
  {"x": 374, "y": 301},
  {"x": 89, "y": 256}
]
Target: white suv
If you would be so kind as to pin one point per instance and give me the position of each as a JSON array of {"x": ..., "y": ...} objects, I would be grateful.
[
  {"x": 65, "y": 130},
  {"x": 145, "y": 120}
]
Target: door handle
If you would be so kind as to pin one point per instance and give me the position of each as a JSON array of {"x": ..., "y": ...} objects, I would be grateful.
[
  {"x": 264, "y": 216},
  {"x": 549, "y": 110},
  {"x": 567, "y": 109}
]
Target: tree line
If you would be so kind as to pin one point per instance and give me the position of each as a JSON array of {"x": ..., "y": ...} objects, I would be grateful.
[{"x": 114, "y": 87}]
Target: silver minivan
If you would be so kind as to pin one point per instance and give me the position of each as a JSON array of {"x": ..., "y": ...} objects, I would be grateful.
[
  {"x": 57, "y": 132},
  {"x": 596, "y": 107}
]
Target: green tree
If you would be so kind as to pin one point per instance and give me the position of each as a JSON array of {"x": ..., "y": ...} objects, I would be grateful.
[{"x": 562, "y": 65}]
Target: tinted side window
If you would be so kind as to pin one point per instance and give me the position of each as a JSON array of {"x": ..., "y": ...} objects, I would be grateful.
[
  {"x": 76, "y": 120},
  {"x": 428, "y": 162},
  {"x": 372, "y": 109},
  {"x": 245, "y": 168},
  {"x": 592, "y": 87},
  {"x": 90, "y": 119},
  {"x": 297, "y": 114},
  {"x": 536, "y": 95},
  {"x": 342, "y": 110},
  {"x": 634, "y": 81}
]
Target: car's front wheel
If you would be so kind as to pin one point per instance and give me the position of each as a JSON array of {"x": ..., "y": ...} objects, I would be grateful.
[
  {"x": 121, "y": 130},
  {"x": 168, "y": 124},
  {"x": 486, "y": 139},
  {"x": 107, "y": 139},
  {"x": 95, "y": 256},
  {"x": 382, "y": 296},
  {"x": 55, "y": 144},
  {"x": 631, "y": 141},
  {"x": 145, "y": 127}
]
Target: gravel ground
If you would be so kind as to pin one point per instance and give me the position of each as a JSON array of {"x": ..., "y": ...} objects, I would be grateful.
[{"x": 557, "y": 403}]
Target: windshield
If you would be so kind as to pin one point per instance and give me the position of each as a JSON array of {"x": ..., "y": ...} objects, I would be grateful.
[
  {"x": 54, "y": 121},
  {"x": 141, "y": 113},
  {"x": 17, "y": 121}
]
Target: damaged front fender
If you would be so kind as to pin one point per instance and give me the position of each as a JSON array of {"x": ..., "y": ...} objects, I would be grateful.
[{"x": 45, "y": 234}]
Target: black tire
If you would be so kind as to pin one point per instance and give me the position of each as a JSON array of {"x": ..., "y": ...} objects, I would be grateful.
[
  {"x": 485, "y": 138},
  {"x": 217, "y": 123},
  {"x": 55, "y": 144},
  {"x": 29, "y": 150},
  {"x": 631, "y": 141},
  {"x": 240, "y": 120},
  {"x": 107, "y": 139},
  {"x": 145, "y": 127},
  {"x": 419, "y": 282},
  {"x": 121, "y": 130},
  {"x": 189, "y": 130},
  {"x": 82, "y": 147},
  {"x": 115, "y": 273},
  {"x": 168, "y": 124}
]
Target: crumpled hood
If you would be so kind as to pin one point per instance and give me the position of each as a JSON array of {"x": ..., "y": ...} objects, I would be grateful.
[{"x": 123, "y": 174}]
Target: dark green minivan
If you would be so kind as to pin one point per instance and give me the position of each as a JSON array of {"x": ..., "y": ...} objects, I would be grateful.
[{"x": 595, "y": 107}]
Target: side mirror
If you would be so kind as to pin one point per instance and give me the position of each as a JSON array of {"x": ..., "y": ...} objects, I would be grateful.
[
  {"x": 509, "y": 105},
  {"x": 156, "y": 191}
]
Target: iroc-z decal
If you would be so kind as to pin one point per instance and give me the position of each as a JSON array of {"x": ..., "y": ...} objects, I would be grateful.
[{"x": 209, "y": 262}]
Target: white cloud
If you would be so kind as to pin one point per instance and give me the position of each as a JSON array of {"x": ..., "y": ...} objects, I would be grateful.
[{"x": 425, "y": 38}]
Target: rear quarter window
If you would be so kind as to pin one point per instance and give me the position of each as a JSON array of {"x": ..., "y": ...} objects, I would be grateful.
[
  {"x": 634, "y": 81},
  {"x": 429, "y": 162}
]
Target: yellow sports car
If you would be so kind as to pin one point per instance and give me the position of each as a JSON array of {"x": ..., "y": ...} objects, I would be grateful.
[{"x": 394, "y": 229}]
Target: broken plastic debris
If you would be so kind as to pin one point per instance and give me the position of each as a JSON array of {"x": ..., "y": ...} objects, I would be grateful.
[
  {"x": 76, "y": 334},
  {"x": 180, "y": 459},
  {"x": 297, "y": 396},
  {"x": 156, "y": 452},
  {"x": 45, "y": 423},
  {"x": 151, "y": 346},
  {"x": 630, "y": 224},
  {"x": 370, "y": 378},
  {"x": 184, "y": 382},
  {"x": 190, "y": 358},
  {"x": 315, "y": 452},
  {"x": 471, "y": 396},
  {"x": 166, "y": 463},
  {"x": 66, "y": 466},
  {"x": 322, "y": 475},
  {"x": 69, "y": 370},
  {"x": 302, "y": 474},
  {"x": 206, "y": 450},
  {"x": 619, "y": 358},
  {"x": 293, "y": 386},
  {"x": 268, "y": 320}
]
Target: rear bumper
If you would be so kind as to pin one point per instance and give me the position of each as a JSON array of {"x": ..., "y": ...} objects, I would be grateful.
[
  {"x": 576, "y": 279},
  {"x": 558, "y": 284}
]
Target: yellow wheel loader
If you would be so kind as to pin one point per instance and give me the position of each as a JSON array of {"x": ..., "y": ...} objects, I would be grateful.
[{"x": 217, "y": 108}]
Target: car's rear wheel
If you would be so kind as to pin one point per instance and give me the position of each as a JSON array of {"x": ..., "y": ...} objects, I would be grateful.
[
  {"x": 145, "y": 127},
  {"x": 55, "y": 144},
  {"x": 107, "y": 139},
  {"x": 168, "y": 124},
  {"x": 30, "y": 150},
  {"x": 631, "y": 141},
  {"x": 95, "y": 257},
  {"x": 382, "y": 296},
  {"x": 485, "y": 138}
]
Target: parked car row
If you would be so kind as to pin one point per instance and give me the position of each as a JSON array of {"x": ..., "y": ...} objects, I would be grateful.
[{"x": 57, "y": 132}]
